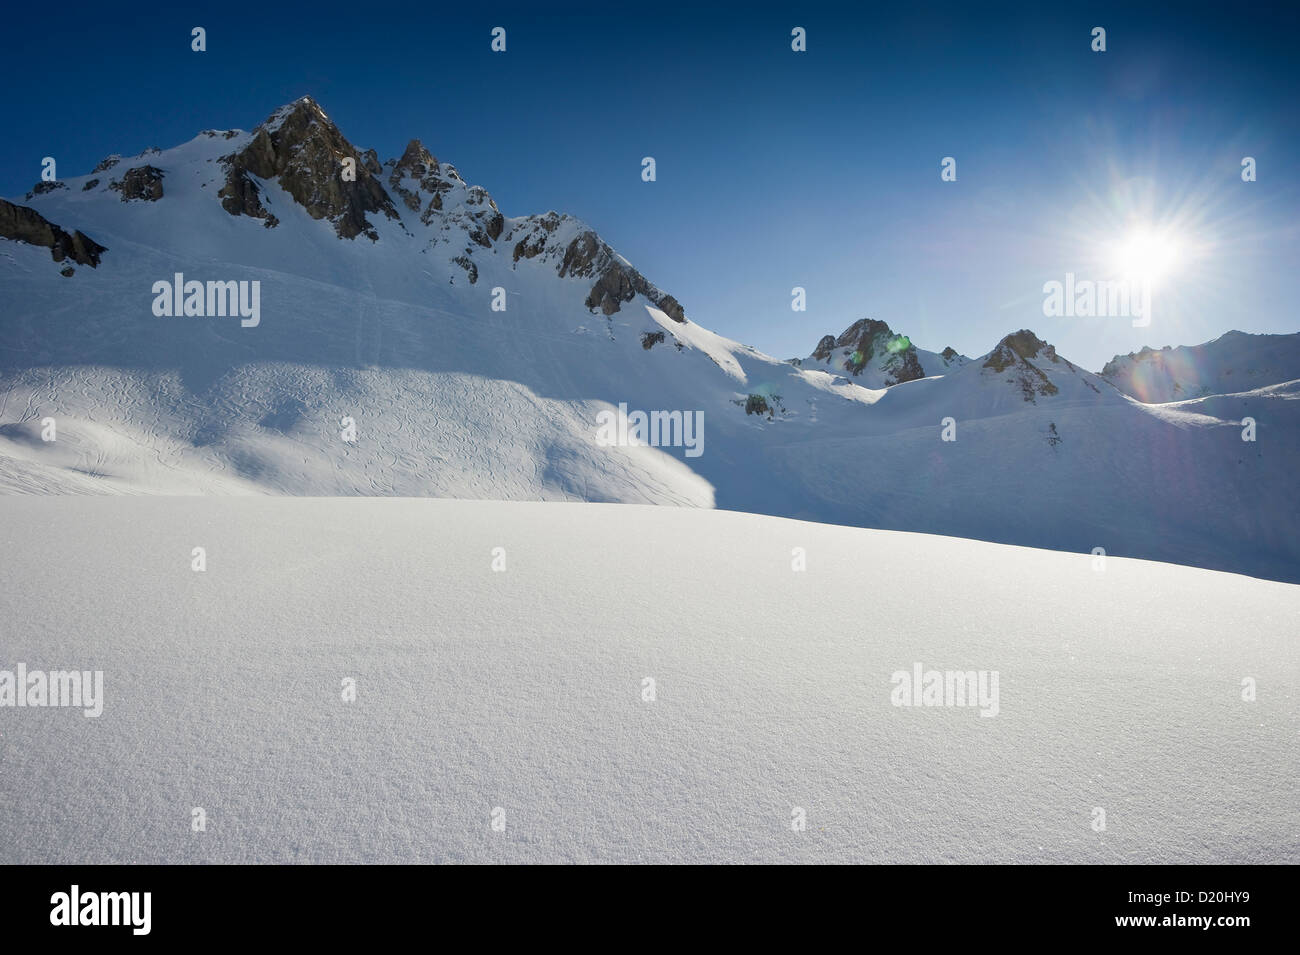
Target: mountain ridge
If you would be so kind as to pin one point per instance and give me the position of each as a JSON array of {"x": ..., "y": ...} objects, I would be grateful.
[
  {"x": 474, "y": 356},
  {"x": 273, "y": 150}
]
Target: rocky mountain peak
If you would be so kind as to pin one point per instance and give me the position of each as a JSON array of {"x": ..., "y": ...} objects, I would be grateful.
[
  {"x": 300, "y": 147},
  {"x": 1023, "y": 345},
  {"x": 417, "y": 161},
  {"x": 869, "y": 341},
  {"x": 429, "y": 187},
  {"x": 1021, "y": 357},
  {"x": 301, "y": 112}
]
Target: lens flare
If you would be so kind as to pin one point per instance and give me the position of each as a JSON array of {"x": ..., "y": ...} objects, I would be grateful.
[{"x": 1146, "y": 254}]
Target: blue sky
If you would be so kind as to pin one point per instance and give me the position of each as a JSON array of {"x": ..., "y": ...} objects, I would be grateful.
[{"x": 775, "y": 169}]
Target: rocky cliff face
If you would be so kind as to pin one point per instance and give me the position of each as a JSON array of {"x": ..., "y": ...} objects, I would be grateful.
[
  {"x": 28, "y": 225},
  {"x": 871, "y": 342},
  {"x": 141, "y": 183},
  {"x": 1026, "y": 363},
  {"x": 463, "y": 216},
  {"x": 577, "y": 251},
  {"x": 303, "y": 150},
  {"x": 300, "y": 148}
]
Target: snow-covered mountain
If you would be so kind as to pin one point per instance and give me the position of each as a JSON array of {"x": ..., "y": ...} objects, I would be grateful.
[
  {"x": 406, "y": 337},
  {"x": 1232, "y": 363},
  {"x": 870, "y": 352}
]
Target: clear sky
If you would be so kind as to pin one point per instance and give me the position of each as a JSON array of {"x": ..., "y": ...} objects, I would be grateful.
[{"x": 775, "y": 169}]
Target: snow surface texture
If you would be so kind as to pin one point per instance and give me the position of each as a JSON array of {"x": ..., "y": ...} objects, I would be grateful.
[
  {"x": 453, "y": 399},
  {"x": 522, "y": 689}
]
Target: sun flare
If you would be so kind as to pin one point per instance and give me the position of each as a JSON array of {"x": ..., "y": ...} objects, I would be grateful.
[{"x": 1146, "y": 254}]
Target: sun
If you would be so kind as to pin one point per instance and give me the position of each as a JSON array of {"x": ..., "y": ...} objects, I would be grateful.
[{"x": 1146, "y": 254}]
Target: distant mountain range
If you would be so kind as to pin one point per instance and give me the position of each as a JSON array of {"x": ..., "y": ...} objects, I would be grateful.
[{"x": 277, "y": 311}]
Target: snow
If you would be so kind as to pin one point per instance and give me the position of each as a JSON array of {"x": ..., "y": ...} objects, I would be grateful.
[
  {"x": 721, "y": 351},
  {"x": 1232, "y": 363},
  {"x": 522, "y": 689},
  {"x": 452, "y": 399}
]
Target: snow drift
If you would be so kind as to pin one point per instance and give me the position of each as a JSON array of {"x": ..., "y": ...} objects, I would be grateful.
[{"x": 500, "y": 654}]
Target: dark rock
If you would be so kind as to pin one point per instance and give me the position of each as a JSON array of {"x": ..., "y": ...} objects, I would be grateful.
[
  {"x": 27, "y": 225},
  {"x": 300, "y": 147},
  {"x": 41, "y": 188},
  {"x": 1013, "y": 356},
  {"x": 90, "y": 185},
  {"x": 468, "y": 265},
  {"x": 867, "y": 338},
  {"x": 540, "y": 229},
  {"x": 650, "y": 339},
  {"x": 1023, "y": 344},
  {"x": 616, "y": 281},
  {"x": 241, "y": 196},
  {"x": 435, "y": 189},
  {"x": 141, "y": 182}
]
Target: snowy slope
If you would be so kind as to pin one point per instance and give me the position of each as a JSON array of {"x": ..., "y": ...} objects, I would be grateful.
[
  {"x": 377, "y": 306},
  {"x": 1119, "y": 689},
  {"x": 1233, "y": 362}
]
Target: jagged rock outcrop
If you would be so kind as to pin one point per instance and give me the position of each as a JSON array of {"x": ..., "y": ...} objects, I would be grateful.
[
  {"x": 302, "y": 149},
  {"x": 242, "y": 196},
  {"x": 418, "y": 171},
  {"x": 142, "y": 183},
  {"x": 1019, "y": 347},
  {"x": 869, "y": 341},
  {"x": 442, "y": 198},
  {"x": 27, "y": 225},
  {"x": 535, "y": 234},
  {"x": 578, "y": 252},
  {"x": 1015, "y": 357},
  {"x": 466, "y": 263},
  {"x": 42, "y": 188}
]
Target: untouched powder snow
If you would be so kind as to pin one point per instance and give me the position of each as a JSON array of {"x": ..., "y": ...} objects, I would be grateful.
[{"x": 522, "y": 689}]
